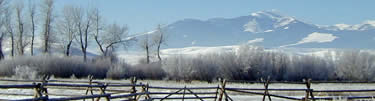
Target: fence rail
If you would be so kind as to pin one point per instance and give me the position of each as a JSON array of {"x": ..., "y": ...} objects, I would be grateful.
[{"x": 138, "y": 91}]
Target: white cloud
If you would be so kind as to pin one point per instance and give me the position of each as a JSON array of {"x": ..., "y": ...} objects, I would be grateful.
[
  {"x": 315, "y": 37},
  {"x": 256, "y": 40},
  {"x": 185, "y": 36}
]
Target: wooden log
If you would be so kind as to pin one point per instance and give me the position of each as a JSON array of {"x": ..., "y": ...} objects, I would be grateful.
[
  {"x": 89, "y": 89},
  {"x": 209, "y": 97},
  {"x": 162, "y": 93},
  {"x": 147, "y": 92},
  {"x": 102, "y": 91},
  {"x": 309, "y": 91},
  {"x": 80, "y": 97},
  {"x": 171, "y": 94},
  {"x": 134, "y": 90},
  {"x": 18, "y": 86},
  {"x": 256, "y": 93},
  {"x": 155, "y": 87},
  {"x": 125, "y": 95},
  {"x": 261, "y": 89},
  {"x": 217, "y": 91},
  {"x": 183, "y": 95},
  {"x": 222, "y": 88},
  {"x": 143, "y": 90},
  {"x": 266, "y": 93}
]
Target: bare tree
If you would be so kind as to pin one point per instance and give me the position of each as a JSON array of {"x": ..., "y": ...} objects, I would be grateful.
[
  {"x": 9, "y": 27},
  {"x": 21, "y": 43},
  {"x": 67, "y": 29},
  {"x": 32, "y": 12},
  {"x": 47, "y": 8},
  {"x": 159, "y": 38},
  {"x": 2, "y": 23},
  {"x": 115, "y": 35},
  {"x": 146, "y": 45},
  {"x": 82, "y": 22}
]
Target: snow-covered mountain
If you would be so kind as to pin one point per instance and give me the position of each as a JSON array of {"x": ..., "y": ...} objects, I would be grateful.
[{"x": 269, "y": 29}]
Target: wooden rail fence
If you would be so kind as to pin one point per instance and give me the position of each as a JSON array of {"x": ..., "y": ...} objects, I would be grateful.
[{"x": 96, "y": 91}]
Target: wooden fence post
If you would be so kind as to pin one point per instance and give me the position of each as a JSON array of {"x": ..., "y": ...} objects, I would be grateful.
[
  {"x": 222, "y": 89},
  {"x": 183, "y": 95},
  {"x": 37, "y": 90},
  {"x": 133, "y": 81},
  {"x": 143, "y": 91},
  {"x": 309, "y": 91},
  {"x": 266, "y": 83},
  {"x": 217, "y": 92},
  {"x": 102, "y": 91},
  {"x": 89, "y": 89},
  {"x": 44, "y": 82},
  {"x": 147, "y": 92}
]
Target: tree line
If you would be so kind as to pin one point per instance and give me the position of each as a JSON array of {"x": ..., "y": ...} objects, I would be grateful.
[{"x": 73, "y": 26}]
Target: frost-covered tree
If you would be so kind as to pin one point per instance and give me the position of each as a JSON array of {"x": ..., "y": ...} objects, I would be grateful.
[
  {"x": 67, "y": 28},
  {"x": 3, "y": 32},
  {"x": 46, "y": 12},
  {"x": 32, "y": 13},
  {"x": 159, "y": 38}
]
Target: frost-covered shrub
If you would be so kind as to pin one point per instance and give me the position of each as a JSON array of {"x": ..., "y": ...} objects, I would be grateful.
[
  {"x": 25, "y": 72},
  {"x": 148, "y": 71},
  {"x": 58, "y": 66},
  {"x": 118, "y": 71}
]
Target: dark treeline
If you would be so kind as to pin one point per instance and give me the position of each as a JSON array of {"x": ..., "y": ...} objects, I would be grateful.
[{"x": 247, "y": 63}]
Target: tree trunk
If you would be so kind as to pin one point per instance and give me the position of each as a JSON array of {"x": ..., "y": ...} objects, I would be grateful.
[
  {"x": 1, "y": 47},
  {"x": 100, "y": 46},
  {"x": 68, "y": 48},
  {"x": 12, "y": 42},
  {"x": 158, "y": 50},
  {"x": 32, "y": 36},
  {"x": 147, "y": 55}
]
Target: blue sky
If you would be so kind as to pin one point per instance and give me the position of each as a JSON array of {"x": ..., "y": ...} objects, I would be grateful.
[{"x": 144, "y": 15}]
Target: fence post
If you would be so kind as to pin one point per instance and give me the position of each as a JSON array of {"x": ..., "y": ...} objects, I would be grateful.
[
  {"x": 44, "y": 82},
  {"x": 183, "y": 95},
  {"x": 222, "y": 89},
  {"x": 133, "y": 81},
  {"x": 89, "y": 89},
  {"x": 266, "y": 83},
  {"x": 102, "y": 91},
  {"x": 143, "y": 91},
  {"x": 37, "y": 90},
  {"x": 147, "y": 92},
  {"x": 309, "y": 90},
  {"x": 217, "y": 91}
]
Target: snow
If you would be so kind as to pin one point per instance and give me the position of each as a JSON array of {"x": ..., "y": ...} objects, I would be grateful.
[
  {"x": 318, "y": 37},
  {"x": 315, "y": 37},
  {"x": 284, "y": 21},
  {"x": 342, "y": 26},
  {"x": 366, "y": 25},
  {"x": 254, "y": 14},
  {"x": 286, "y": 27},
  {"x": 256, "y": 40},
  {"x": 233, "y": 95},
  {"x": 252, "y": 26}
]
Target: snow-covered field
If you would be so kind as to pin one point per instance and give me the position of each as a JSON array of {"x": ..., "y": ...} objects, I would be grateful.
[{"x": 235, "y": 96}]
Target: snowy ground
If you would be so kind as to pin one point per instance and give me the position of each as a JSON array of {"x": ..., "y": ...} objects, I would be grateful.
[{"x": 235, "y": 96}]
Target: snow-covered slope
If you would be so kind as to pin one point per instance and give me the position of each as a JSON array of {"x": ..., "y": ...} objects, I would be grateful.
[{"x": 270, "y": 29}]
